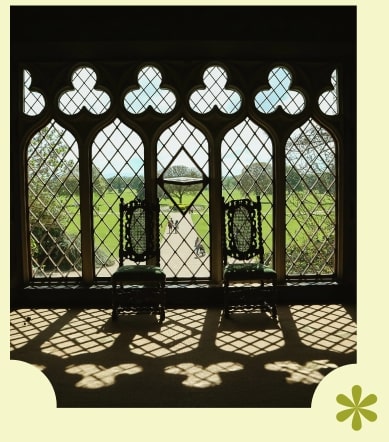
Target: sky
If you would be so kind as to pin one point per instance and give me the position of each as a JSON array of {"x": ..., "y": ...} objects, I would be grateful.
[{"x": 148, "y": 93}]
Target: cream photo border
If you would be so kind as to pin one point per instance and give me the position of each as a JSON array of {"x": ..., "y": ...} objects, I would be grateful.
[{"x": 27, "y": 399}]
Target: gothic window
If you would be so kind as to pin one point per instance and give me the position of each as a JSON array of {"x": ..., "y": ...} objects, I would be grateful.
[{"x": 147, "y": 131}]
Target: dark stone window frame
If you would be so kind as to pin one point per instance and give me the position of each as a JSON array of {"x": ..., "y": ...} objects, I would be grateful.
[{"x": 340, "y": 53}]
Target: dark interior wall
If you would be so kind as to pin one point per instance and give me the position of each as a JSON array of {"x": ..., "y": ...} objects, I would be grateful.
[
  {"x": 137, "y": 23},
  {"x": 50, "y": 33},
  {"x": 184, "y": 32}
]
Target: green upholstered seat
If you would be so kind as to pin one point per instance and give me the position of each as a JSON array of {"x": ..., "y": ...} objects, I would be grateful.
[
  {"x": 248, "y": 272},
  {"x": 136, "y": 273}
]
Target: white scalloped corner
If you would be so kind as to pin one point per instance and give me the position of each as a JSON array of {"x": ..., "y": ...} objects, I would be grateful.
[{"x": 26, "y": 386}]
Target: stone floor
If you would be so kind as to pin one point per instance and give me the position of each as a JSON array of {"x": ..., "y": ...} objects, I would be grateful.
[{"x": 195, "y": 358}]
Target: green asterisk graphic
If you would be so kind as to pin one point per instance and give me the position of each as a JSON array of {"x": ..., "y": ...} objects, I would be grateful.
[{"x": 356, "y": 407}]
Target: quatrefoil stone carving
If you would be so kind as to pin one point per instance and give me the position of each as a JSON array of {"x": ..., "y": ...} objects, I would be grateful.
[
  {"x": 280, "y": 94},
  {"x": 84, "y": 94},
  {"x": 328, "y": 100},
  {"x": 215, "y": 93},
  {"x": 149, "y": 93},
  {"x": 33, "y": 102}
]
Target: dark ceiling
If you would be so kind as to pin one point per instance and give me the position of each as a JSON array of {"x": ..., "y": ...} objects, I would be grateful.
[{"x": 234, "y": 23}]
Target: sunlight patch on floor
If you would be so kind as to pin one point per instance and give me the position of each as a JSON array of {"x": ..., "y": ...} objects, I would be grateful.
[
  {"x": 305, "y": 374},
  {"x": 197, "y": 376},
  {"x": 325, "y": 327},
  {"x": 96, "y": 376}
]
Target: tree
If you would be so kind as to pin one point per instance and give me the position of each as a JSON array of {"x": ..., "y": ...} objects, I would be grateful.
[
  {"x": 293, "y": 179},
  {"x": 120, "y": 183},
  {"x": 177, "y": 190},
  {"x": 50, "y": 164},
  {"x": 310, "y": 185},
  {"x": 256, "y": 178},
  {"x": 137, "y": 183},
  {"x": 310, "y": 155},
  {"x": 229, "y": 182},
  {"x": 100, "y": 184}
]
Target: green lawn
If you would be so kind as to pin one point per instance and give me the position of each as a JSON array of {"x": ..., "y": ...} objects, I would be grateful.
[{"x": 108, "y": 213}]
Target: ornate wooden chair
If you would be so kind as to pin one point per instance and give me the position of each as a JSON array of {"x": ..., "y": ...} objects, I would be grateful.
[
  {"x": 138, "y": 286},
  {"x": 248, "y": 282}
]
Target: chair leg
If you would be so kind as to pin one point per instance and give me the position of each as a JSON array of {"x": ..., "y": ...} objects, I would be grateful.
[
  {"x": 114, "y": 304},
  {"x": 162, "y": 304},
  {"x": 161, "y": 314},
  {"x": 226, "y": 311},
  {"x": 274, "y": 313}
]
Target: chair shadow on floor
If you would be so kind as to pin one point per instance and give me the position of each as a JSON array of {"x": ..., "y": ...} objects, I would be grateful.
[{"x": 196, "y": 358}]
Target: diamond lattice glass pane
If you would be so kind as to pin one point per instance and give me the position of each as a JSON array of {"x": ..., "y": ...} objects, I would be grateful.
[
  {"x": 53, "y": 203},
  {"x": 247, "y": 171},
  {"x": 138, "y": 229},
  {"x": 149, "y": 93},
  {"x": 310, "y": 201},
  {"x": 215, "y": 93},
  {"x": 182, "y": 159},
  {"x": 117, "y": 171},
  {"x": 328, "y": 101},
  {"x": 242, "y": 229},
  {"x": 84, "y": 94},
  {"x": 33, "y": 102},
  {"x": 280, "y": 94}
]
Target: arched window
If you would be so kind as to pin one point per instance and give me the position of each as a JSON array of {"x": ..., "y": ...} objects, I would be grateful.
[
  {"x": 53, "y": 203},
  {"x": 310, "y": 201},
  {"x": 188, "y": 140}
]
